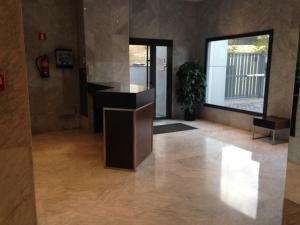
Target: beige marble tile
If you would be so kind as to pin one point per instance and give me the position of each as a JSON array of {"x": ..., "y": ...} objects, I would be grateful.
[
  {"x": 294, "y": 149},
  {"x": 213, "y": 175},
  {"x": 174, "y": 20},
  {"x": 107, "y": 39},
  {"x": 293, "y": 183},
  {"x": 16, "y": 187},
  {"x": 17, "y": 202},
  {"x": 53, "y": 99}
]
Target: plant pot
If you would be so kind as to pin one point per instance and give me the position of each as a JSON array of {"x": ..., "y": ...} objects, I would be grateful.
[{"x": 190, "y": 116}]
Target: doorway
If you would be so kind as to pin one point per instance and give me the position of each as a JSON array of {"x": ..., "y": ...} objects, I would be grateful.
[{"x": 151, "y": 66}]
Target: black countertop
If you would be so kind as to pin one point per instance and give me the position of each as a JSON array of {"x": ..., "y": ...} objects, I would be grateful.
[
  {"x": 131, "y": 88},
  {"x": 114, "y": 87},
  {"x": 117, "y": 95},
  {"x": 93, "y": 87}
]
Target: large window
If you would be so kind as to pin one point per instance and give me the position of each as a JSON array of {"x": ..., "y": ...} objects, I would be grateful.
[{"x": 237, "y": 72}]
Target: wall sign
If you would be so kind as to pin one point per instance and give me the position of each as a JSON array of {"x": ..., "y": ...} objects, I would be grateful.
[
  {"x": 64, "y": 58},
  {"x": 2, "y": 81},
  {"x": 42, "y": 36}
]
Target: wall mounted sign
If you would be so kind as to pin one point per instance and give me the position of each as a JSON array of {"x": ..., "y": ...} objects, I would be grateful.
[
  {"x": 64, "y": 58},
  {"x": 42, "y": 36},
  {"x": 2, "y": 81}
]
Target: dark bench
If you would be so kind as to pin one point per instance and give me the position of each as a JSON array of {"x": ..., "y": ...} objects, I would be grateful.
[{"x": 271, "y": 123}]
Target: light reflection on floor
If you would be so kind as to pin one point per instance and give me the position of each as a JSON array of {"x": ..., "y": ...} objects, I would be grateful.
[{"x": 240, "y": 180}]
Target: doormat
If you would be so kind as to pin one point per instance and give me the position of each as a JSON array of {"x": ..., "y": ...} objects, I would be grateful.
[{"x": 170, "y": 128}]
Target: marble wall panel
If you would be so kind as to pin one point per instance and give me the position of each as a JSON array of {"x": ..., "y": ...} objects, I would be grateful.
[
  {"x": 174, "y": 20},
  {"x": 294, "y": 144},
  {"x": 54, "y": 102},
  {"x": 16, "y": 176},
  {"x": 106, "y": 26}
]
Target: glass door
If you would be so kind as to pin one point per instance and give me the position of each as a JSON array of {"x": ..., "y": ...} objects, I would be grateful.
[
  {"x": 151, "y": 66},
  {"x": 161, "y": 82},
  {"x": 139, "y": 59}
]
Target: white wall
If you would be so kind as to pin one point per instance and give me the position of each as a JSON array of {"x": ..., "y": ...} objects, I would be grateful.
[
  {"x": 294, "y": 144},
  {"x": 216, "y": 72}
]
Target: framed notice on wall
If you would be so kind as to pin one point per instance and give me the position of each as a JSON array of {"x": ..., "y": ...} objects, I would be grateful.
[{"x": 64, "y": 58}]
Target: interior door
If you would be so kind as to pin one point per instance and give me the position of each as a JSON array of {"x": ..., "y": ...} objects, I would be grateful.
[
  {"x": 161, "y": 82},
  {"x": 151, "y": 66}
]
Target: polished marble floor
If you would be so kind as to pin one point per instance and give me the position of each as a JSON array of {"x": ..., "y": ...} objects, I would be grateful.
[
  {"x": 291, "y": 213},
  {"x": 210, "y": 176},
  {"x": 292, "y": 195},
  {"x": 293, "y": 183}
]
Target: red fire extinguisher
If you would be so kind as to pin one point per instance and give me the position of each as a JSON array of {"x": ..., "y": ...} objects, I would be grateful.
[{"x": 42, "y": 65}]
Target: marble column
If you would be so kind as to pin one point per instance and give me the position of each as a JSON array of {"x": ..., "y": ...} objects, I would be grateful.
[{"x": 17, "y": 205}]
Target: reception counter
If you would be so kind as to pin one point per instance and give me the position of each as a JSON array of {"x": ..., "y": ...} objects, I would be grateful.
[{"x": 126, "y": 119}]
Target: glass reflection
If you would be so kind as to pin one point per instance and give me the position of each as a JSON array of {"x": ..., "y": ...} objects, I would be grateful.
[{"x": 240, "y": 180}]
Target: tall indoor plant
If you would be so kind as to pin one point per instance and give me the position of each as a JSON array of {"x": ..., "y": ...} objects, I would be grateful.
[{"x": 192, "y": 85}]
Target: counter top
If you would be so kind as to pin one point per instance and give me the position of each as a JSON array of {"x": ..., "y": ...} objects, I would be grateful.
[
  {"x": 109, "y": 94},
  {"x": 118, "y": 96},
  {"x": 114, "y": 87},
  {"x": 134, "y": 89}
]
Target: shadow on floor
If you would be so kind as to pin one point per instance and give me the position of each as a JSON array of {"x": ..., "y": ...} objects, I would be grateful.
[{"x": 291, "y": 213}]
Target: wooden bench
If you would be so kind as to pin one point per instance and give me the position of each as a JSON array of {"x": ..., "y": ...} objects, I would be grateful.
[{"x": 271, "y": 123}]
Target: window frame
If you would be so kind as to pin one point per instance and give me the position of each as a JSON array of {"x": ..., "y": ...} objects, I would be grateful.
[{"x": 268, "y": 70}]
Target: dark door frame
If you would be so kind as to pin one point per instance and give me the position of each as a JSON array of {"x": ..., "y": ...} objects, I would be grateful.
[
  {"x": 153, "y": 43},
  {"x": 296, "y": 95}
]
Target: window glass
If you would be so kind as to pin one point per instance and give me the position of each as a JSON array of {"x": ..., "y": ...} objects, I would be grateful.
[
  {"x": 236, "y": 72},
  {"x": 139, "y": 64}
]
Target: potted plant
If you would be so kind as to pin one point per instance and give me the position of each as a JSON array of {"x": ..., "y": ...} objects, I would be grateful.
[{"x": 192, "y": 86}]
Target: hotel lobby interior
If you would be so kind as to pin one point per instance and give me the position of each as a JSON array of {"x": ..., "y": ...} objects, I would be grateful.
[{"x": 149, "y": 112}]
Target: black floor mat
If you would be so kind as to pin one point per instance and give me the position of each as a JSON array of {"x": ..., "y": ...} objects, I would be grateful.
[{"x": 170, "y": 128}]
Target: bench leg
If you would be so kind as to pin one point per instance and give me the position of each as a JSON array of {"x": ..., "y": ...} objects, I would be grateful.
[
  {"x": 270, "y": 133},
  {"x": 274, "y": 137},
  {"x": 253, "y": 133}
]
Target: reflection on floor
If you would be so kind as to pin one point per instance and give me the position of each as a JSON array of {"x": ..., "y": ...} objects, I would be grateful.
[
  {"x": 237, "y": 163},
  {"x": 210, "y": 176}
]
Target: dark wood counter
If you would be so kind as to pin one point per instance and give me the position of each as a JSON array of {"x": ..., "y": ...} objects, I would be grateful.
[{"x": 126, "y": 113}]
